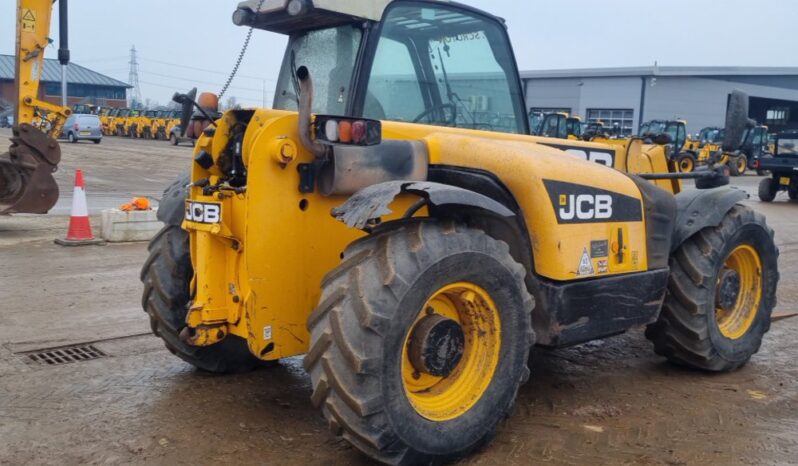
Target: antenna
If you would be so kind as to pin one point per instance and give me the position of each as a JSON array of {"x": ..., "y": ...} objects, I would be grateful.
[{"x": 133, "y": 77}]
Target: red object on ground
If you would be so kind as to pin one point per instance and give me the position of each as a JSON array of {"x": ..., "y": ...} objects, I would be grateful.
[{"x": 79, "y": 225}]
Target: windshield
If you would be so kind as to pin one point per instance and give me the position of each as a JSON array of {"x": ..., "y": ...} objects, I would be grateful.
[
  {"x": 446, "y": 67},
  {"x": 329, "y": 55},
  {"x": 654, "y": 128}
]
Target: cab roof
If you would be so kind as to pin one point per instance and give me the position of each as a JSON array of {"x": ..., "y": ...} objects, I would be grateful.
[{"x": 291, "y": 16}]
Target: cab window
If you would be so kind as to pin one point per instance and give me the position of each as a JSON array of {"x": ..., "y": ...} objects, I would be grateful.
[{"x": 444, "y": 66}]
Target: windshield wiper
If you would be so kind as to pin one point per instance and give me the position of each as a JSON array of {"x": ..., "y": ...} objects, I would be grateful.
[
  {"x": 294, "y": 78},
  {"x": 451, "y": 95}
]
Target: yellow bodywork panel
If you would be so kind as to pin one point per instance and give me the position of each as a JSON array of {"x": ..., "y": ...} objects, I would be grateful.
[{"x": 258, "y": 270}]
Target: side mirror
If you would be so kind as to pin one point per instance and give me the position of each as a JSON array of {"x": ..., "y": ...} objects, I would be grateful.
[{"x": 187, "y": 103}]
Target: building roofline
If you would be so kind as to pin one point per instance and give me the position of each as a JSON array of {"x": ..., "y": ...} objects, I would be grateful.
[
  {"x": 640, "y": 71},
  {"x": 75, "y": 70}
]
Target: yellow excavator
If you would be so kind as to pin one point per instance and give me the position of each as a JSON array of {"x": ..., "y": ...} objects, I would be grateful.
[{"x": 26, "y": 170}]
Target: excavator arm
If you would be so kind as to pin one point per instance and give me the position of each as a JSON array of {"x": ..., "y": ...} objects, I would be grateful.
[{"x": 26, "y": 170}]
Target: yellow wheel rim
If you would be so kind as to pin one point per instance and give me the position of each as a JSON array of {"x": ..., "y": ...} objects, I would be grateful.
[
  {"x": 686, "y": 165},
  {"x": 443, "y": 398},
  {"x": 735, "y": 312},
  {"x": 741, "y": 165}
]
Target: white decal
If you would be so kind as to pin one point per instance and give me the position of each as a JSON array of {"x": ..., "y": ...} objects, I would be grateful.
[
  {"x": 585, "y": 265},
  {"x": 601, "y": 158},
  {"x": 203, "y": 213},
  {"x": 587, "y": 207}
]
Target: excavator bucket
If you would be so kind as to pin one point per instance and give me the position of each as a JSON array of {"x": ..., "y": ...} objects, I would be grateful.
[{"x": 26, "y": 172}]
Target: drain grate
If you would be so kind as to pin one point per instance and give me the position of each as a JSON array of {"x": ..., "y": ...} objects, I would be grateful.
[{"x": 65, "y": 355}]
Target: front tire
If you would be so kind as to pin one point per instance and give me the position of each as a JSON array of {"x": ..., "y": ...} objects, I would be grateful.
[
  {"x": 71, "y": 137},
  {"x": 768, "y": 188},
  {"x": 721, "y": 293},
  {"x": 167, "y": 277},
  {"x": 364, "y": 358},
  {"x": 173, "y": 139}
]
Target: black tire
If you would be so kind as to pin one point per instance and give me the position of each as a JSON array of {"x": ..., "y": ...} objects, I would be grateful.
[
  {"x": 686, "y": 162},
  {"x": 167, "y": 276},
  {"x": 173, "y": 139},
  {"x": 71, "y": 137},
  {"x": 738, "y": 165},
  {"x": 792, "y": 190},
  {"x": 768, "y": 188},
  {"x": 359, "y": 328},
  {"x": 97, "y": 141},
  {"x": 686, "y": 332}
]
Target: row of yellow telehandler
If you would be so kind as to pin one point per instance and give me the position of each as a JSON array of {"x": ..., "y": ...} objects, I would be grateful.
[{"x": 144, "y": 124}]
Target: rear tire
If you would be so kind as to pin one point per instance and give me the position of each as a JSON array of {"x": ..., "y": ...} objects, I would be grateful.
[
  {"x": 695, "y": 328},
  {"x": 173, "y": 139},
  {"x": 71, "y": 137},
  {"x": 360, "y": 334},
  {"x": 792, "y": 191},
  {"x": 97, "y": 141},
  {"x": 767, "y": 190},
  {"x": 686, "y": 162},
  {"x": 738, "y": 165},
  {"x": 167, "y": 276}
]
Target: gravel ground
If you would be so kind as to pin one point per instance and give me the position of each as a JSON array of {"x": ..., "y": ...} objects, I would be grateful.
[{"x": 608, "y": 402}]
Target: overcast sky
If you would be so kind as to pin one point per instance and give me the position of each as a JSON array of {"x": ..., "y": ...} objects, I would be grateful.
[{"x": 186, "y": 43}]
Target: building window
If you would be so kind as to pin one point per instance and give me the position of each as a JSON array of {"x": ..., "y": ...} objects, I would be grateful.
[
  {"x": 622, "y": 117},
  {"x": 778, "y": 116},
  {"x": 550, "y": 110},
  {"x": 85, "y": 90}
]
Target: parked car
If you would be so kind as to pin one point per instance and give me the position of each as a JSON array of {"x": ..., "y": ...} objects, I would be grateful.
[
  {"x": 80, "y": 127},
  {"x": 6, "y": 122}
]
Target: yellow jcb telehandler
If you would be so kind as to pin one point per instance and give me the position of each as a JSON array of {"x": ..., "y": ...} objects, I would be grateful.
[{"x": 415, "y": 255}]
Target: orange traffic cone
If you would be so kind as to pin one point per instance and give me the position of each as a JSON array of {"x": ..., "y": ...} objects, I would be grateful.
[{"x": 79, "y": 232}]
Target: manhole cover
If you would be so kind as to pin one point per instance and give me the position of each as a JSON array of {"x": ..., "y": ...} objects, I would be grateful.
[{"x": 64, "y": 355}]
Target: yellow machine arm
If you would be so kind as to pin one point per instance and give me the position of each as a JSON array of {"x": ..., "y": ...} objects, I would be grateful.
[
  {"x": 26, "y": 180},
  {"x": 33, "y": 30}
]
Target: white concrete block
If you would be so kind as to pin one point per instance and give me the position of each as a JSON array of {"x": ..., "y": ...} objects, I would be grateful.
[{"x": 139, "y": 225}]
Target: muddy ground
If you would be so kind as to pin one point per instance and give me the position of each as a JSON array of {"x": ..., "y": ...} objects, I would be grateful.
[{"x": 609, "y": 402}]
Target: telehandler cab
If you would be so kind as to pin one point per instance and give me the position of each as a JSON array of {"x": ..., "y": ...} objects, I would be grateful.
[{"x": 414, "y": 259}]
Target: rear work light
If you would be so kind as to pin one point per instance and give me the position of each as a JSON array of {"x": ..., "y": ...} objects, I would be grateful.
[{"x": 342, "y": 130}]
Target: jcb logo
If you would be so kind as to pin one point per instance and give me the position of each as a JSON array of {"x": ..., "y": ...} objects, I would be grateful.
[
  {"x": 601, "y": 158},
  {"x": 577, "y": 203},
  {"x": 201, "y": 212},
  {"x": 585, "y": 207}
]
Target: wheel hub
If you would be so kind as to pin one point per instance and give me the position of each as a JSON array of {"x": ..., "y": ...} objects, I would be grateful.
[
  {"x": 436, "y": 345},
  {"x": 728, "y": 289}
]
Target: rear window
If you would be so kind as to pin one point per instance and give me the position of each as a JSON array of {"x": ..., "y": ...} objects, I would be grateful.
[
  {"x": 88, "y": 119},
  {"x": 787, "y": 146}
]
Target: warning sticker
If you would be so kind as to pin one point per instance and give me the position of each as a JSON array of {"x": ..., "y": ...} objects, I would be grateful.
[
  {"x": 28, "y": 20},
  {"x": 603, "y": 266},
  {"x": 585, "y": 265}
]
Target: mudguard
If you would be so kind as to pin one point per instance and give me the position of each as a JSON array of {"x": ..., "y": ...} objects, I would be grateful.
[
  {"x": 372, "y": 202},
  {"x": 171, "y": 209},
  {"x": 699, "y": 209}
]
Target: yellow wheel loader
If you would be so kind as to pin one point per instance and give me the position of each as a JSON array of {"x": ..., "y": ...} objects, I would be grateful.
[
  {"x": 26, "y": 170},
  {"x": 414, "y": 255},
  {"x": 559, "y": 125}
]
